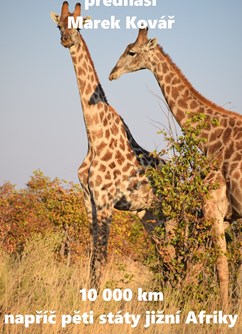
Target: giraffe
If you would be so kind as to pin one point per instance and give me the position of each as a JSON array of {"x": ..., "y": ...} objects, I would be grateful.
[
  {"x": 112, "y": 174},
  {"x": 223, "y": 138}
]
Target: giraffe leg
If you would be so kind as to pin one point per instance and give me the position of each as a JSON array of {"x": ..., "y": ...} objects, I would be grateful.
[
  {"x": 148, "y": 220},
  {"x": 92, "y": 219},
  {"x": 83, "y": 174},
  {"x": 100, "y": 231},
  {"x": 99, "y": 222},
  {"x": 170, "y": 234},
  {"x": 215, "y": 209},
  {"x": 239, "y": 271}
]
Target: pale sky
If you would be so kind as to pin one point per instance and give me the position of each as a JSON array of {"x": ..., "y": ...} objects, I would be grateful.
[{"x": 41, "y": 122}]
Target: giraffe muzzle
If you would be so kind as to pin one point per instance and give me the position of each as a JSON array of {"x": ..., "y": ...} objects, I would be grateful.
[
  {"x": 66, "y": 41},
  {"x": 113, "y": 75}
]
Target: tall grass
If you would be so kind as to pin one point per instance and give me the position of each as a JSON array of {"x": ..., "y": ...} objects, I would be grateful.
[{"x": 38, "y": 281}]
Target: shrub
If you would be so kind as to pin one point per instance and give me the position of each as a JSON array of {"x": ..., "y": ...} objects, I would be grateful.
[
  {"x": 187, "y": 257},
  {"x": 48, "y": 206}
]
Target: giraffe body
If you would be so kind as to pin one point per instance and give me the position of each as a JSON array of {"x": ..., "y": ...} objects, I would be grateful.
[
  {"x": 223, "y": 140},
  {"x": 112, "y": 175}
]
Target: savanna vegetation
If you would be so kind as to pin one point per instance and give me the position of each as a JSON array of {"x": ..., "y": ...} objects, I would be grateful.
[{"x": 45, "y": 251}]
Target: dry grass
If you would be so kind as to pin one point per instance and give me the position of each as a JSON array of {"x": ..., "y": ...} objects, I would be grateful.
[{"x": 38, "y": 282}]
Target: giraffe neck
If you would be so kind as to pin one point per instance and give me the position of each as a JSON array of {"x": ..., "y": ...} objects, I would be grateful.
[
  {"x": 92, "y": 96},
  {"x": 100, "y": 118},
  {"x": 183, "y": 100}
]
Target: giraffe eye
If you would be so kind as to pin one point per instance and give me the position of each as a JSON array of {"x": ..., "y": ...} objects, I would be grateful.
[{"x": 131, "y": 53}]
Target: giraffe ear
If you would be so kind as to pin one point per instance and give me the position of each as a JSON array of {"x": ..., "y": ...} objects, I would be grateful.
[
  {"x": 152, "y": 43},
  {"x": 55, "y": 17}
]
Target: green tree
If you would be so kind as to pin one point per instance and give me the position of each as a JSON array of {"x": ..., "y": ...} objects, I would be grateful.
[{"x": 184, "y": 241}]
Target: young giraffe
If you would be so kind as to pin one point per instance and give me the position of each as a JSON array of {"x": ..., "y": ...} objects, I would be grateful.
[
  {"x": 112, "y": 174},
  {"x": 223, "y": 141}
]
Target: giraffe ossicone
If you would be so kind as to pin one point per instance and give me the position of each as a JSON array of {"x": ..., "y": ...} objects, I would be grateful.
[
  {"x": 223, "y": 138},
  {"x": 113, "y": 173}
]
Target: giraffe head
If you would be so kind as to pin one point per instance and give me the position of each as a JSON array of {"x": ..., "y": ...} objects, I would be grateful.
[
  {"x": 68, "y": 35},
  {"x": 136, "y": 56}
]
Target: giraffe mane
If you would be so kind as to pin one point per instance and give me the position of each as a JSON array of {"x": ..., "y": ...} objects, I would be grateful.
[
  {"x": 143, "y": 152},
  {"x": 194, "y": 91},
  {"x": 130, "y": 136}
]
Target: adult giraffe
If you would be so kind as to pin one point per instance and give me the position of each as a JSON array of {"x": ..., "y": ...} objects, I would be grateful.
[
  {"x": 223, "y": 137},
  {"x": 112, "y": 175}
]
